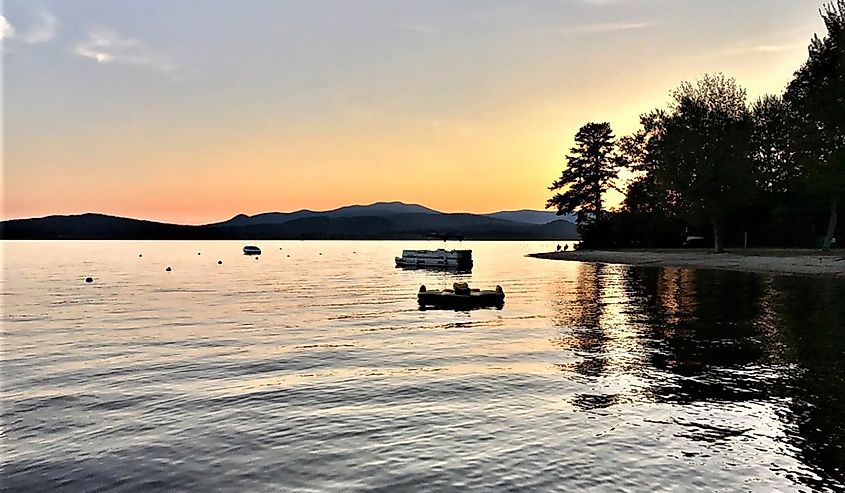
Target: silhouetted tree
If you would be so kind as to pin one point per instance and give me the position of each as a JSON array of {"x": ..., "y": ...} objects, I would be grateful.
[
  {"x": 643, "y": 197},
  {"x": 592, "y": 165},
  {"x": 818, "y": 94},
  {"x": 700, "y": 152},
  {"x": 779, "y": 213},
  {"x": 776, "y": 166},
  {"x": 775, "y": 169},
  {"x": 642, "y": 152}
]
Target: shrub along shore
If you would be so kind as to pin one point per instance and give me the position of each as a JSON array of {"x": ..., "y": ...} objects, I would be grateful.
[{"x": 782, "y": 261}]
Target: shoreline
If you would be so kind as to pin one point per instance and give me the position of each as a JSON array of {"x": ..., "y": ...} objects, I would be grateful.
[{"x": 764, "y": 261}]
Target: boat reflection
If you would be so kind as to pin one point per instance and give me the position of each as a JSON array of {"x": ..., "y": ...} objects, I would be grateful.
[
  {"x": 424, "y": 308},
  {"x": 437, "y": 269}
]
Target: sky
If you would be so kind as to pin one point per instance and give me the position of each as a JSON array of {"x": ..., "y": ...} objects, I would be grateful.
[{"x": 192, "y": 111}]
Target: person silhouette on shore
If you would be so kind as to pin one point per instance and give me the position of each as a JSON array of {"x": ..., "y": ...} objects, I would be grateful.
[
  {"x": 558, "y": 248},
  {"x": 565, "y": 247}
]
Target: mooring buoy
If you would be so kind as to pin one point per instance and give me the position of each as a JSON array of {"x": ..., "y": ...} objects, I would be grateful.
[
  {"x": 89, "y": 279},
  {"x": 219, "y": 262},
  {"x": 168, "y": 269}
]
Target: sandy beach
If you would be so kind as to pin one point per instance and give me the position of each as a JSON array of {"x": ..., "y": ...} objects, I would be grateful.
[{"x": 786, "y": 261}]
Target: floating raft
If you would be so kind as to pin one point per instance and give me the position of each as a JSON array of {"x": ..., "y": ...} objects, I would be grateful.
[
  {"x": 461, "y": 297},
  {"x": 252, "y": 250}
]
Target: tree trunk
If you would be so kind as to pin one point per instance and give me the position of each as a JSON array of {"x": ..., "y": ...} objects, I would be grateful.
[
  {"x": 717, "y": 237},
  {"x": 831, "y": 224}
]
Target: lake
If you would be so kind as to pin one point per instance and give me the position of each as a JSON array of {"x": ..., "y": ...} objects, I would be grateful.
[{"x": 311, "y": 368}]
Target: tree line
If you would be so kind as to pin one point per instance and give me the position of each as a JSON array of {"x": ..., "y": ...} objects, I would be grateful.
[{"x": 712, "y": 165}]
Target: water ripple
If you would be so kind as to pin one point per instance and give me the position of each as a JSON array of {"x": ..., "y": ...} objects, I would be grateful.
[{"x": 320, "y": 373}]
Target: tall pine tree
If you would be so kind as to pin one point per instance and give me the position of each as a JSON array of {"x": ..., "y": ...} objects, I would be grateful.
[{"x": 592, "y": 165}]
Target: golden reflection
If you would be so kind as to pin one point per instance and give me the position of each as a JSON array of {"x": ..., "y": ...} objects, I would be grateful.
[
  {"x": 641, "y": 333},
  {"x": 597, "y": 324},
  {"x": 775, "y": 341},
  {"x": 675, "y": 294}
]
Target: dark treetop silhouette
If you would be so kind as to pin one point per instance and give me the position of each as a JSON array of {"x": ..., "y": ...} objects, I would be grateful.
[
  {"x": 591, "y": 166},
  {"x": 712, "y": 165}
]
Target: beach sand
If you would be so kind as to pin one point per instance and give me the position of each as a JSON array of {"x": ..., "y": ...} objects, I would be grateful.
[{"x": 785, "y": 261}]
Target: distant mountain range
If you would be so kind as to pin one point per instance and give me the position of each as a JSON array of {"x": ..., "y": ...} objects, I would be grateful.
[{"x": 382, "y": 220}]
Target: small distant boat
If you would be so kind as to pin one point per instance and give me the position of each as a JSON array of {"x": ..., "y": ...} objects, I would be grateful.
[
  {"x": 440, "y": 258},
  {"x": 252, "y": 250},
  {"x": 461, "y": 297}
]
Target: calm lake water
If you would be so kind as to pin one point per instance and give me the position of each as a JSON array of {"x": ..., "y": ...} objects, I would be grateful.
[{"x": 313, "y": 369}]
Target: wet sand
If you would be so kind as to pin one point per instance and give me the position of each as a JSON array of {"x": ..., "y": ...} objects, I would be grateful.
[{"x": 784, "y": 261}]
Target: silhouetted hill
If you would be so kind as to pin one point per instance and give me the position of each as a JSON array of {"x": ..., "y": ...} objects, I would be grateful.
[
  {"x": 376, "y": 209},
  {"x": 96, "y": 226},
  {"x": 381, "y": 209},
  {"x": 376, "y": 221},
  {"x": 530, "y": 216}
]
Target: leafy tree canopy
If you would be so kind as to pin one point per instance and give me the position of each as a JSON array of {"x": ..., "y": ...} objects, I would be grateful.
[{"x": 817, "y": 92}]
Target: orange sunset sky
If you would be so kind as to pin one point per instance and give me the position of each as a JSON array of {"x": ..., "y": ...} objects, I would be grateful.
[{"x": 193, "y": 112}]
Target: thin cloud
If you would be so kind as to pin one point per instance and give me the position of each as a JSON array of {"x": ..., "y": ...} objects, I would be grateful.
[
  {"x": 770, "y": 44},
  {"x": 494, "y": 11},
  {"x": 344, "y": 105},
  {"x": 6, "y": 29},
  {"x": 786, "y": 40},
  {"x": 606, "y": 27},
  {"x": 601, "y": 28},
  {"x": 43, "y": 30},
  {"x": 774, "y": 48},
  {"x": 421, "y": 29},
  {"x": 105, "y": 46},
  {"x": 753, "y": 49},
  {"x": 607, "y": 2}
]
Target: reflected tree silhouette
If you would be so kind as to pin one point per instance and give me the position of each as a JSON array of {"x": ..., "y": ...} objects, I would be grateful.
[
  {"x": 812, "y": 315},
  {"x": 686, "y": 337},
  {"x": 703, "y": 326}
]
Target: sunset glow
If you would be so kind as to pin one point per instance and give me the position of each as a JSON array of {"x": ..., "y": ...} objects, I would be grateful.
[{"x": 194, "y": 112}]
